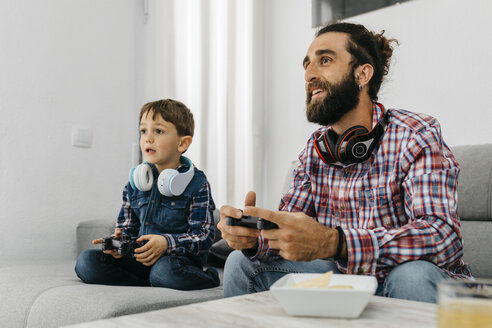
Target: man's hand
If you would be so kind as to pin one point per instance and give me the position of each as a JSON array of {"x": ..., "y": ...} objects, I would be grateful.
[
  {"x": 299, "y": 237},
  {"x": 149, "y": 253},
  {"x": 238, "y": 237},
  {"x": 114, "y": 253}
]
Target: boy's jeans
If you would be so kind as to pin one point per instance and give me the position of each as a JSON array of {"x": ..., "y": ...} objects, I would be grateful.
[
  {"x": 176, "y": 272},
  {"x": 416, "y": 280}
]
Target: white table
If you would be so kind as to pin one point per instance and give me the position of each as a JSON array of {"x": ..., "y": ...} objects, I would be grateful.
[{"x": 263, "y": 310}]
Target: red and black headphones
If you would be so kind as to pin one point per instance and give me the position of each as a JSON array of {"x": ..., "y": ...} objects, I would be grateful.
[{"x": 354, "y": 146}]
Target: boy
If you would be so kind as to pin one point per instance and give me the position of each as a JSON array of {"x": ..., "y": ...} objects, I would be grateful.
[{"x": 177, "y": 230}]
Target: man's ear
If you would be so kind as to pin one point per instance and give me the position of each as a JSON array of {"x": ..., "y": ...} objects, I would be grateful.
[
  {"x": 184, "y": 143},
  {"x": 363, "y": 74}
]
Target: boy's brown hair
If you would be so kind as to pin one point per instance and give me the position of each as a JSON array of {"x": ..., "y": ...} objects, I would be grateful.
[{"x": 171, "y": 111}]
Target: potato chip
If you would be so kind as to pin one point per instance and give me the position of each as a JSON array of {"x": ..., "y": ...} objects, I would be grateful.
[
  {"x": 342, "y": 287},
  {"x": 321, "y": 281}
]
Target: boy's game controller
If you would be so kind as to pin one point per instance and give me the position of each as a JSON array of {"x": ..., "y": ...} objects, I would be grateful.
[
  {"x": 124, "y": 244},
  {"x": 251, "y": 222}
]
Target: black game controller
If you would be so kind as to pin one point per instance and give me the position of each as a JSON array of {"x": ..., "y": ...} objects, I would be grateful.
[
  {"x": 266, "y": 225},
  {"x": 251, "y": 222},
  {"x": 124, "y": 244}
]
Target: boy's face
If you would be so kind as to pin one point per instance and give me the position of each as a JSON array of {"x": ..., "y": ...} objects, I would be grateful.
[{"x": 160, "y": 142}]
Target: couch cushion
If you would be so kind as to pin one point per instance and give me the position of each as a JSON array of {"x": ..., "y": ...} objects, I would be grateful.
[
  {"x": 49, "y": 294},
  {"x": 474, "y": 182},
  {"x": 477, "y": 238}
]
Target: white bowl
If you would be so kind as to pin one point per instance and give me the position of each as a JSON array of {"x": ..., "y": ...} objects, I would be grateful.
[{"x": 325, "y": 302}]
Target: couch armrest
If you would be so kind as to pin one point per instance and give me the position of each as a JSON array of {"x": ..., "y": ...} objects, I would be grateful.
[
  {"x": 474, "y": 182},
  {"x": 90, "y": 230}
]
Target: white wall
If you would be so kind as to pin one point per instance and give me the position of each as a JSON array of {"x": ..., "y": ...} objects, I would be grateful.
[
  {"x": 288, "y": 34},
  {"x": 63, "y": 63},
  {"x": 441, "y": 68},
  {"x": 82, "y": 62}
]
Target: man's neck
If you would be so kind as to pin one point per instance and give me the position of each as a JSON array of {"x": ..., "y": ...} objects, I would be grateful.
[{"x": 360, "y": 115}]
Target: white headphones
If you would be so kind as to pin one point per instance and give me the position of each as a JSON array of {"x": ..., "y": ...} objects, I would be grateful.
[{"x": 170, "y": 182}]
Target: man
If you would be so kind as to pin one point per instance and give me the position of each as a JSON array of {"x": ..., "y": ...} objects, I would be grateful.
[{"x": 375, "y": 191}]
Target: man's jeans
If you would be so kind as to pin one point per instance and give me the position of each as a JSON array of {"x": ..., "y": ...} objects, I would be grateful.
[
  {"x": 177, "y": 272},
  {"x": 416, "y": 280}
]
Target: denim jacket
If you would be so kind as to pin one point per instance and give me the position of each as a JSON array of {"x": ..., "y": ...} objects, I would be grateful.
[{"x": 186, "y": 221}]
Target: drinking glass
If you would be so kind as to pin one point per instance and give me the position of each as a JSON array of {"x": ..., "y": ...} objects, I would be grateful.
[{"x": 465, "y": 303}]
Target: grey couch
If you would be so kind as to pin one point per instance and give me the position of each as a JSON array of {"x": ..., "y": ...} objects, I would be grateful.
[
  {"x": 475, "y": 206},
  {"x": 50, "y": 294}
]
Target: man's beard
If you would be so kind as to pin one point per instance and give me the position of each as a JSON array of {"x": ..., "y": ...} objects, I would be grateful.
[{"x": 340, "y": 99}]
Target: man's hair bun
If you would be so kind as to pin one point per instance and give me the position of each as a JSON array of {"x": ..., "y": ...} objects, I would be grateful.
[{"x": 386, "y": 49}]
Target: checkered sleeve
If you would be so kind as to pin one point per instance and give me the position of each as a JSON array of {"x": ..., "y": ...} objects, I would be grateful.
[
  {"x": 127, "y": 220},
  {"x": 429, "y": 193},
  {"x": 297, "y": 199},
  {"x": 200, "y": 235}
]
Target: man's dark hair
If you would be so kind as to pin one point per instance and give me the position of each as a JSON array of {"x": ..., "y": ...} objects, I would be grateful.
[
  {"x": 366, "y": 47},
  {"x": 171, "y": 111}
]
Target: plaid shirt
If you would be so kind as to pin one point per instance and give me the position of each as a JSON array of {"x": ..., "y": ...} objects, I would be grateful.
[
  {"x": 398, "y": 206},
  {"x": 200, "y": 235}
]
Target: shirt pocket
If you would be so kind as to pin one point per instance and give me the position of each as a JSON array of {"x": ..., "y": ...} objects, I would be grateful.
[
  {"x": 380, "y": 207},
  {"x": 140, "y": 205},
  {"x": 172, "y": 216}
]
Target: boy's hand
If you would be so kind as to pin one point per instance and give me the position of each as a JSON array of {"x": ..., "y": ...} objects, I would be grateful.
[
  {"x": 149, "y": 253},
  {"x": 114, "y": 252}
]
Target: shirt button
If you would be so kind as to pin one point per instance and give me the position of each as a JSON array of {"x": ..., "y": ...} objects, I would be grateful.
[
  {"x": 347, "y": 170},
  {"x": 342, "y": 208},
  {"x": 139, "y": 203},
  {"x": 173, "y": 203},
  {"x": 147, "y": 224},
  {"x": 153, "y": 201}
]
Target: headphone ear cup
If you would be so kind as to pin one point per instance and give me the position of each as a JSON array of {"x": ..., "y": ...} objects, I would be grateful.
[
  {"x": 141, "y": 177},
  {"x": 344, "y": 156},
  {"x": 361, "y": 148},
  {"x": 135, "y": 177},
  {"x": 331, "y": 139},
  {"x": 322, "y": 149},
  {"x": 131, "y": 178},
  {"x": 164, "y": 182}
]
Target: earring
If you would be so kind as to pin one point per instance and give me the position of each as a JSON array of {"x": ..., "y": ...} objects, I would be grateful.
[{"x": 360, "y": 87}]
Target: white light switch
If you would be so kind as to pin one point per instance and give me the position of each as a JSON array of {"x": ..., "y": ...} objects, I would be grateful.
[{"x": 81, "y": 136}]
